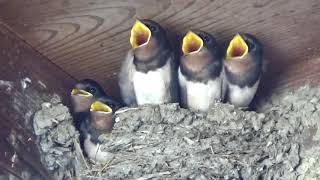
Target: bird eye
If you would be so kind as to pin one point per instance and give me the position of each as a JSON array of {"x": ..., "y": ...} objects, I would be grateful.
[
  {"x": 250, "y": 45},
  {"x": 206, "y": 39},
  {"x": 92, "y": 90},
  {"x": 153, "y": 28}
]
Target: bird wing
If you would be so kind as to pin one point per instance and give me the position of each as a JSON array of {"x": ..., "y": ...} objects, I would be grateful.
[
  {"x": 125, "y": 80},
  {"x": 224, "y": 85},
  {"x": 174, "y": 85},
  {"x": 183, "y": 90}
]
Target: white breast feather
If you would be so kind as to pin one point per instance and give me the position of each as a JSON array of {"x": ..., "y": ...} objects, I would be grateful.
[
  {"x": 241, "y": 97},
  {"x": 200, "y": 96},
  {"x": 152, "y": 87},
  {"x": 94, "y": 151}
]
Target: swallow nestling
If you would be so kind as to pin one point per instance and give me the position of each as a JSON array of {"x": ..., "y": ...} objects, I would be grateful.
[
  {"x": 99, "y": 121},
  {"x": 200, "y": 71},
  {"x": 148, "y": 74},
  {"x": 92, "y": 111},
  {"x": 243, "y": 67},
  {"x": 84, "y": 93}
]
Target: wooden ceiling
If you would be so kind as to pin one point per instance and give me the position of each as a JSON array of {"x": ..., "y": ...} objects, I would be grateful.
[{"x": 89, "y": 38}]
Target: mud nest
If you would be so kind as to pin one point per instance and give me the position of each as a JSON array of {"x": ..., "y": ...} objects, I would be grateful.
[{"x": 168, "y": 142}]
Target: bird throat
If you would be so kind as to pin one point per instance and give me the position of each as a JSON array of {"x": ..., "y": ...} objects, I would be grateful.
[
  {"x": 102, "y": 121},
  {"x": 197, "y": 62},
  {"x": 146, "y": 51},
  {"x": 200, "y": 68},
  {"x": 153, "y": 62},
  {"x": 239, "y": 66}
]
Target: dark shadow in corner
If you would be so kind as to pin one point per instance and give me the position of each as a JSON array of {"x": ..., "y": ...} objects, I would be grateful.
[{"x": 276, "y": 66}]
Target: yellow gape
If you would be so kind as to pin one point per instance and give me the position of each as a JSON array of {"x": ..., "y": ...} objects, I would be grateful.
[
  {"x": 140, "y": 35},
  {"x": 237, "y": 48},
  {"x": 191, "y": 43},
  {"x": 101, "y": 107},
  {"x": 80, "y": 92}
]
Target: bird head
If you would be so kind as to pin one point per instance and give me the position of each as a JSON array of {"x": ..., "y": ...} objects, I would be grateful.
[
  {"x": 244, "y": 47},
  {"x": 84, "y": 93},
  {"x": 199, "y": 50},
  {"x": 147, "y": 38},
  {"x": 101, "y": 116}
]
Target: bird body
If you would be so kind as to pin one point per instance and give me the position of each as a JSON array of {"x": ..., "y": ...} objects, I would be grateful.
[
  {"x": 243, "y": 66},
  {"x": 93, "y": 114},
  {"x": 153, "y": 87},
  {"x": 94, "y": 151},
  {"x": 199, "y": 95},
  {"x": 98, "y": 121},
  {"x": 91, "y": 143},
  {"x": 242, "y": 96},
  {"x": 148, "y": 74},
  {"x": 200, "y": 71}
]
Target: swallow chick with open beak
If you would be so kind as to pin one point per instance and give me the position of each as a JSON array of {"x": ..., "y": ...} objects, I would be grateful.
[
  {"x": 200, "y": 70},
  {"x": 243, "y": 66},
  {"x": 148, "y": 74},
  {"x": 84, "y": 93},
  {"x": 91, "y": 108},
  {"x": 99, "y": 121}
]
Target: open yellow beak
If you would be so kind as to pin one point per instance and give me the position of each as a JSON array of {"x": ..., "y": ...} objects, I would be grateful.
[
  {"x": 140, "y": 35},
  {"x": 237, "y": 48},
  {"x": 99, "y": 106},
  {"x": 191, "y": 43},
  {"x": 80, "y": 92}
]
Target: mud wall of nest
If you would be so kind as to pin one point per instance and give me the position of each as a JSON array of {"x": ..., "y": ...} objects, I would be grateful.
[{"x": 279, "y": 141}]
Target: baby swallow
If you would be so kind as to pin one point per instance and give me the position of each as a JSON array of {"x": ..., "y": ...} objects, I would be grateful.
[
  {"x": 84, "y": 93},
  {"x": 98, "y": 121},
  {"x": 93, "y": 114},
  {"x": 148, "y": 74},
  {"x": 92, "y": 111},
  {"x": 243, "y": 68},
  {"x": 200, "y": 70}
]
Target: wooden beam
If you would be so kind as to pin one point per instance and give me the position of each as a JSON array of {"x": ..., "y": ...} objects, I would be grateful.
[
  {"x": 27, "y": 79},
  {"x": 89, "y": 38}
]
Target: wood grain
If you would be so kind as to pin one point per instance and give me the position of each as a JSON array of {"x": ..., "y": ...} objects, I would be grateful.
[
  {"x": 89, "y": 38},
  {"x": 26, "y": 80}
]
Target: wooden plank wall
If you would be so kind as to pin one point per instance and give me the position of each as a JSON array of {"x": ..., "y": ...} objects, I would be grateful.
[
  {"x": 27, "y": 79},
  {"x": 89, "y": 38}
]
